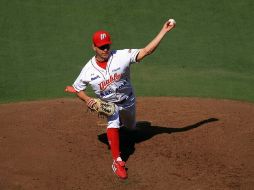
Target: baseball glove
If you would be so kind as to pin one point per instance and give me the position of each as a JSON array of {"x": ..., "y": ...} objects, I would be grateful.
[{"x": 101, "y": 107}]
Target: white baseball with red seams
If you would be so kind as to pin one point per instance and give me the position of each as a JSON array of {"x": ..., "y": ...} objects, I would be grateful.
[
  {"x": 172, "y": 21},
  {"x": 112, "y": 84}
]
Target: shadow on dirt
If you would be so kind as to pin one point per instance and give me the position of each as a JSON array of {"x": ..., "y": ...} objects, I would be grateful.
[{"x": 144, "y": 131}]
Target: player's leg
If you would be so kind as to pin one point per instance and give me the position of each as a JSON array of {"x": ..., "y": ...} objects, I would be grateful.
[
  {"x": 118, "y": 165},
  {"x": 128, "y": 116},
  {"x": 113, "y": 134}
]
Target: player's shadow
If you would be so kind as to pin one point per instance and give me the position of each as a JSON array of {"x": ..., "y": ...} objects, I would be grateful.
[{"x": 128, "y": 138}]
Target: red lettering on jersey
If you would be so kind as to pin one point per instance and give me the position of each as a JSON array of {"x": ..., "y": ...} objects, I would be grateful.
[{"x": 104, "y": 84}]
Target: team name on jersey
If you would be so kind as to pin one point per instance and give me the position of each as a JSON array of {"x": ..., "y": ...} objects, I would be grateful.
[{"x": 104, "y": 84}]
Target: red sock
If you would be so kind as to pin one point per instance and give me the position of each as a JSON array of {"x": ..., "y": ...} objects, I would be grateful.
[{"x": 113, "y": 139}]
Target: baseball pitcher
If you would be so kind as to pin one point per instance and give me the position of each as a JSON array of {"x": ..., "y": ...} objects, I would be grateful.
[{"x": 108, "y": 73}]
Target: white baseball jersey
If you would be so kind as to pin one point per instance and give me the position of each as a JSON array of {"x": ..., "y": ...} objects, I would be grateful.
[{"x": 113, "y": 83}]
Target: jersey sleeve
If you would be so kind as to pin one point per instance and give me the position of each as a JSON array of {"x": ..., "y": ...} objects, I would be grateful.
[
  {"x": 81, "y": 82},
  {"x": 133, "y": 55}
]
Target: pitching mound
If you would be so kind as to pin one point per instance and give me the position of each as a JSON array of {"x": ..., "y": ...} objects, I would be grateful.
[{"x": 182, "y": 143}]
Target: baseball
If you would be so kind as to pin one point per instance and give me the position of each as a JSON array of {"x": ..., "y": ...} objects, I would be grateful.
[{"x": 171, "y": 21}]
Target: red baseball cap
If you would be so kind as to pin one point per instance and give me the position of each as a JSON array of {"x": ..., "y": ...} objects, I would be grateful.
[{"x": 101, "y": 38}]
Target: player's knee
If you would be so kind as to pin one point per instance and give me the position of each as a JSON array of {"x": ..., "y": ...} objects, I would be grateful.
[{"x": 113, "y": 125}]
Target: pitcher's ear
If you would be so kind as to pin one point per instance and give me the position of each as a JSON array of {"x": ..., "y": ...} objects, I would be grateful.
[{"x": 93, "y": 47}]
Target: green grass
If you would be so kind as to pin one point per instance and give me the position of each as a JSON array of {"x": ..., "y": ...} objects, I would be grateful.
[
  {"x": 45, "y": 43},
  {"x": 198, "y": 83}
]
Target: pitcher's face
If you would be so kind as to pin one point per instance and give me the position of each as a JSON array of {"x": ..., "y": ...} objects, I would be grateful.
[{"x": 103, "y": 52}]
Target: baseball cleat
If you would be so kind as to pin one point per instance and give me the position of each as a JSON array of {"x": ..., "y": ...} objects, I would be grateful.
[{"x": 118, "y": 168}]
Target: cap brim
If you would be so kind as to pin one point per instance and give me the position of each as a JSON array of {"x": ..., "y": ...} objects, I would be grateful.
[{"x": 103, "y": 44}]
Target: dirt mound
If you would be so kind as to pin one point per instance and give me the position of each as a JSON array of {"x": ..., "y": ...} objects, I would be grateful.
[{"x": 186, "y": 143}]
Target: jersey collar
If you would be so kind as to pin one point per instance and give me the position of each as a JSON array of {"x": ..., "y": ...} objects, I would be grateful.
[{"x": 98, "y": 67}]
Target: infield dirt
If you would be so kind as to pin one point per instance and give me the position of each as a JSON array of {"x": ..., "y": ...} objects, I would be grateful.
[{"x": 181, "y": 143}]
